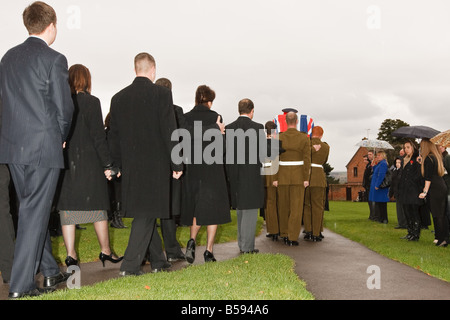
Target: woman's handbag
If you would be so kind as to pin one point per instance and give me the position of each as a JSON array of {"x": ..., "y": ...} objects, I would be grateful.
[{"x": 387, "y": 180}]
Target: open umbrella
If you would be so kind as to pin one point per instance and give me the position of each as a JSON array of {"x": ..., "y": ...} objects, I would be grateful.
[
  {"x": 415, "y": 132},
  {"x": 442, "y": 139},
  {"x": 376, "y": 144}
]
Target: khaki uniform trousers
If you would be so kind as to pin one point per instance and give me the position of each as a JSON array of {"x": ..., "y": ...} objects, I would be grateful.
[
  {"x": 314, "y": 210},
  {"x": 290, "y": 209},
  {"x": 271, "y": 210}
]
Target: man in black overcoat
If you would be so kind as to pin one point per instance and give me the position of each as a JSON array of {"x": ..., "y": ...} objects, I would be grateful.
[
  {"x": 142, "y": 123},
  {"x": 244, "y": 173},
  {"x": 36, "y": 116}
]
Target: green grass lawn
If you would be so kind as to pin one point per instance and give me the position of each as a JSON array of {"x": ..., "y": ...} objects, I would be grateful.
[
  {"x": 350, "y": 219},
  {"x": 247, "y": 277},
  {"x": 254, "y": 277},
  {"x": 88, "y": 248}
]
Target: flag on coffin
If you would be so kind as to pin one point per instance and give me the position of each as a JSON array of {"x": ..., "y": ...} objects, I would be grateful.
[{"x": 305, "y": 123}]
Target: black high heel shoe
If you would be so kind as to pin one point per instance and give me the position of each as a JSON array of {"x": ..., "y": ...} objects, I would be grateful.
[
  {"x": 442, "y": 243},
  {"x": 209, "y": 257},
  {"x": 103, "y": 257},
  {"x": 71, "y": 261}
]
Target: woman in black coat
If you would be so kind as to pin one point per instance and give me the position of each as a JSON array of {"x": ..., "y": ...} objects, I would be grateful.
[
  {"x": 84, "y": 191},
  {"x": 435, "y": 190},
  {"x": 393, "y": 192},
  {"x": 409, "y": 188},
  {"x": 205, "y": 194}
]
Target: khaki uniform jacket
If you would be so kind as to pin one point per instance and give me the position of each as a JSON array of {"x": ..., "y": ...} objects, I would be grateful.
[
  {"x": 319, "y": 157},
  {"x": 297, "y": 148}
]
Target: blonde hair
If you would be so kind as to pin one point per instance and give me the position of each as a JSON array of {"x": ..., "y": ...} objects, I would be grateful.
[{"x": 427, "y": 148}]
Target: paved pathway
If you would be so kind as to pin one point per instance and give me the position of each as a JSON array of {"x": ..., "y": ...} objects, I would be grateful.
[{"x": 334, "y": 269}]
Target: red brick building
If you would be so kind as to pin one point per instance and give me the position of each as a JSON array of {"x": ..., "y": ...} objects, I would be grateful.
[{"x": 355, "y": 173}]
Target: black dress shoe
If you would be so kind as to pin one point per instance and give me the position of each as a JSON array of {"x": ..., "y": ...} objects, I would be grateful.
[
  {"x": 274, "y": 236},
  {"x": 164, "y": 267},
  {"x": 308, "y": 236},
  {"x": 251, "y": 251},
  {"x": 178, "y": 257},
  {"x": 209, "y": 257},
  {"x": 190, "y": 251},
  {"x": 53, "y": 281},
  {"x": 316, "y": 238},
  {"x": 32, "y": 293},
  {"x": 292, "y": 243},
  {"x": 130, "y": 273}
]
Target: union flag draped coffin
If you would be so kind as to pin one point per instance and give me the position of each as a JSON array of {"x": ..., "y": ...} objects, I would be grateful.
[{"x": 305, "y": 123}]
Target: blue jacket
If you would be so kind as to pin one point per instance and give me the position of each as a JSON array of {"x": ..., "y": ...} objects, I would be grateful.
[
  {"x": 379, "y": 171},
  {"x": 37, "y": 105}
]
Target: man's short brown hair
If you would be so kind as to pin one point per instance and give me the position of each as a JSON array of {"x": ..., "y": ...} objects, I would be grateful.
[
  {"x": 143, "y": 61},
  {"x": 245, "y": 106},
  {"x": 38, "y": 16},
  {"x": 164, "y": 82}
]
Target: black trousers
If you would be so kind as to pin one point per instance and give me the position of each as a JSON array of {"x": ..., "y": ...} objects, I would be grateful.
[
  {"x": 413, "y": 220},
  {"x": 7, "y": 233},
  {"x": 35, "y": 188},
  {"x": 144, "y": 238},
  {"x": 169, "y": 234},
  {"x": 380, "y": 211}
]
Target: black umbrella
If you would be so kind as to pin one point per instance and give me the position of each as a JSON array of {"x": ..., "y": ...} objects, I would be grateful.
[{"x": 415, "y": 132}]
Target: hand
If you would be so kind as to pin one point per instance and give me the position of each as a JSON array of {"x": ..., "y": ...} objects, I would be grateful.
[
  {"x": 306, "y": 184},
  {"x": 108, "y": 174},
  {"x": 112, "y": 172},
  {"x": 177, "y": 174},
  {"x": 221, "y": 125},
  {"x": 422, "y": 195},
  {"x": 64, "y": 145},
  {"x": 275, "y": 183}
]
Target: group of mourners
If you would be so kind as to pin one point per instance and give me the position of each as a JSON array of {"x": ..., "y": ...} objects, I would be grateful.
[{"x": 419, "y": 183}]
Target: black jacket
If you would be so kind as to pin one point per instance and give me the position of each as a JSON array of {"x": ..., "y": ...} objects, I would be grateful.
[
  {"x": 83, "y": 183},
  {"x": 141, "y": 126},
  {"x": 245, "y": 179},
  {"x": 411, "y": 183},
  {"x": 205, "y": 194}
]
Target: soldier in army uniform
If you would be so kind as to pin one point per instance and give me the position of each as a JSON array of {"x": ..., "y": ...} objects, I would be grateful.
[
  {"x": 292, "y": 179},
  {"x": 270, "y": 167},
  {"x": 315, "y": 193}
]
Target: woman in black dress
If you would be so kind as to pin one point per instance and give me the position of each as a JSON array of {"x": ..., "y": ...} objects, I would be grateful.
[
  {"x": 84, "y": 192},
  {"x": 205, "y": 194},
  {"x": 435, "y": 190},
  {"x": 409, "y": 188}
]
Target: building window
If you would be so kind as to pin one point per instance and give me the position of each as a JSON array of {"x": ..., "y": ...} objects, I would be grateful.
[{"x": 355, "y": 171}]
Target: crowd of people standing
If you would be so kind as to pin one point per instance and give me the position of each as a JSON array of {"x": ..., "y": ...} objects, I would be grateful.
[
  {"x": 420, "y": 185},
  {"x": 55, "y": 148}
]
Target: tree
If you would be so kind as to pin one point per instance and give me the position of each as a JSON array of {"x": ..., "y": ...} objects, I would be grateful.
[
  {"x": 387, "y": 127},
  {"x": 327, "y": 169},
  {"x": 385, "y": 133}
]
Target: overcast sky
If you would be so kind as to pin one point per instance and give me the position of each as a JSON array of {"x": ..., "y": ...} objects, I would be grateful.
[{"x": 348, "y": 64}]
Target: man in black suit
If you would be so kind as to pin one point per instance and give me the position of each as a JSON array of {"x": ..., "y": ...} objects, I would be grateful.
[
  {"x": 36, "y": 117},
  {"x": 244, "y": 174},
  {"x": 168, "y": 226},
  {"x": 141, "y": 127}
]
